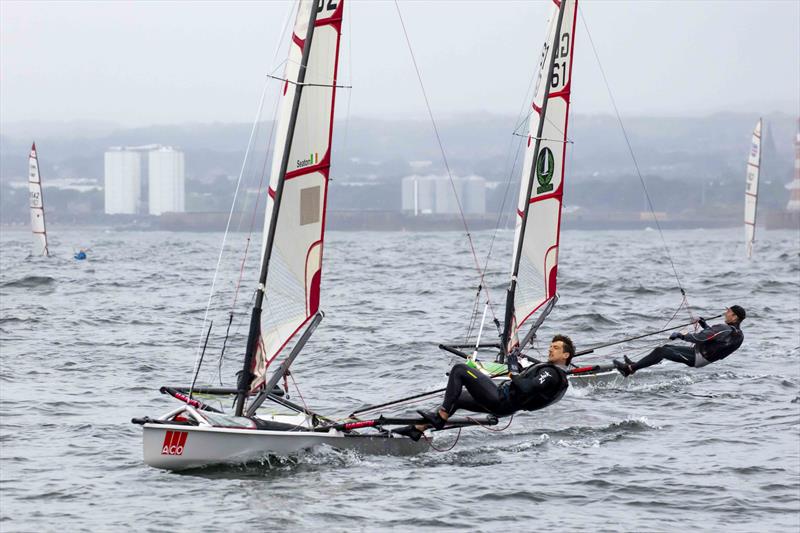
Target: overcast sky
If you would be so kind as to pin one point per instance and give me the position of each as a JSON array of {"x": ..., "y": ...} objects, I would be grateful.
[{"x": 171, "y": 62}]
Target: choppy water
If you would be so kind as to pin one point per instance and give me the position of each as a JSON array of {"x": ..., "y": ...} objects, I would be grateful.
[{"x": 85, "y": 346}]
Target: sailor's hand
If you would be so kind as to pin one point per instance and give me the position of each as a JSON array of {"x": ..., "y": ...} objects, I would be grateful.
[
  {"x": 512, "y": 361},
  {"x": 676, "y": 335}
]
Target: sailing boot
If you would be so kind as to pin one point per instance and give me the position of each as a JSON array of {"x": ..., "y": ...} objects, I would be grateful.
[
  {"x": 626, "y": 368},
  {"x": 409, "y": 431},
  {"x": 433, "y": 418}
]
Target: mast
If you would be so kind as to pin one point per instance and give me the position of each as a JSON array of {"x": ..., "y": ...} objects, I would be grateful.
[
  {"x": 551, "y": 52},
  {"x": 246, "y": 376},
  {"x": 751, "y": 189},
  {"x": 37, "y": 203}
]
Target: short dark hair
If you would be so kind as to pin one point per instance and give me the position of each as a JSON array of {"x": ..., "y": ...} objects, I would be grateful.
[
  {"x": 569, "y": 347},
  {"x": 739, "y": 311}
]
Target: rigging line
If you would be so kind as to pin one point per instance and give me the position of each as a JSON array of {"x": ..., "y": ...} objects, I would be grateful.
[
  {"x": 527, "y": 119},
  {"x": 345, "y": 145},
  {"x": 444, "y": 156},
  {"x": 473, "y": 315},
  {"x": 633, "y": 157},
  {"x": 297, "y": 388},
  {"x": 257, "y": 202},
  {"x": 229, "y": 335},
  {"x": 279, "y": 43},
  {"x": 309, "y": 84},
  {"x": 196, "y": 367},
  {"x": 563, "y": 141},
  {"x": 501, "y": 214},
  {"x": 285, "y": 26},
  {"x": 488, "y": 428},
  {"x": 430, "y": 442}
]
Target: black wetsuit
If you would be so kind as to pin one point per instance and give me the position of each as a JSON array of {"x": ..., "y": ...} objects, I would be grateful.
[
  {"x": 535, "y": 387},
  {"x": 711, "y": 344}
]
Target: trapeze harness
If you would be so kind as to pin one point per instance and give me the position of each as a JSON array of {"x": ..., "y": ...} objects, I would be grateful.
[{"x": 534, "y": 388}]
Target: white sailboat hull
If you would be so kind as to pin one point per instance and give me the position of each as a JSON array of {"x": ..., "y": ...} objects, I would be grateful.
[
  {"x": 181, "y": 447},
  {"x": 609, "y": 377}
]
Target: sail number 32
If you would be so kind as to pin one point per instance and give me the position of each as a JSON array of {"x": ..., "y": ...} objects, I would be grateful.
[{"x": 331, "y": 5}]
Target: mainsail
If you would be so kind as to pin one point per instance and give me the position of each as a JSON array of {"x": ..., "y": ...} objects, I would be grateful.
[
  {"x": 535, "y": 261},
  {"x": 751, "y": 190},
  {"x": 36, "y": 204},
  {"x": 298, "y": 189}
]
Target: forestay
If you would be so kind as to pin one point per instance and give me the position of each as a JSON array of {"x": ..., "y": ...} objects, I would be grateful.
[
  {"x": 36, "y": 204},
  {"x": 292, "y": 287},
  {"x": 535, "y": 261},
  {"x": 751, "y": 190}
]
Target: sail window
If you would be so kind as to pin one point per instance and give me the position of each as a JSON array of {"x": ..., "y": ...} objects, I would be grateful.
[{"x": 309, "y": 205}]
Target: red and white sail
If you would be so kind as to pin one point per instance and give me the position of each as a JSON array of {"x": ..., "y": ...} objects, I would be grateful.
[
  {"x": 292, "y": 289},
  {"x": 36, "y": 204},
  {"x": 538, "y": 262},
  {"x": 751, "y": 190}
]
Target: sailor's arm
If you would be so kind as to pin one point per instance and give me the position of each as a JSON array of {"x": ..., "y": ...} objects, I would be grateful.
[{"x": 706, "y": 334}]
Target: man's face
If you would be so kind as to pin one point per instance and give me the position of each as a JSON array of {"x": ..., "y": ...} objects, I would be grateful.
[
  {"x": 730, "y": 316},
  {"x": 556, "y": 354}
]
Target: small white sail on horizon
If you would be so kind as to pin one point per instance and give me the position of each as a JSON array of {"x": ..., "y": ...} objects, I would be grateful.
[
  {"x": 538, "y": 223},
  {"x": 751, "y": 189},
  {"x": 36, "y": 205}
]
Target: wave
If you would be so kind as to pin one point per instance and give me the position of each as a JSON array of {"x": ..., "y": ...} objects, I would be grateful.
[{"x": 29, "y": 282}]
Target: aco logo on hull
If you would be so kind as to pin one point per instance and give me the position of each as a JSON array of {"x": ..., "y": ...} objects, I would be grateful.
[{"x": 174, "y": 443}]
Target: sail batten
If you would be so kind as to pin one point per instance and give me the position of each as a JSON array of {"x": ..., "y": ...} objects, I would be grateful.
[
  {"x": 36, "y": 204},
  {"x": 298, "y": 188},
  {"x": 537, "y": 234},
  {"x": 751, "y": 189}
]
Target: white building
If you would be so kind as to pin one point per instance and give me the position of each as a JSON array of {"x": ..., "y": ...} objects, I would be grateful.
[
  {"x": 435, "y": 194},
  {"x": 473, "y": 195},
  {"x": 419, "y": 194},
  {"x": 167, "y": 191},
  {"x": 123, "y": 181}
]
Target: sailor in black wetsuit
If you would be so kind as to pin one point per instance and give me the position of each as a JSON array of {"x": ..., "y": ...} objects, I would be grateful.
[
  {"x": 709, "y": 345},
  {"x": 535, "y": 387}
]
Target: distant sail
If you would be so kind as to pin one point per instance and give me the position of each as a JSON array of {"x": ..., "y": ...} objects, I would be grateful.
[
  {"x": 535, "y": 262},
  {"x": 294, "y": 277},
  {"x": 751, "y": 190},
  {"x": 36, "y": 205},
  {"x": 794, "y": 185}
]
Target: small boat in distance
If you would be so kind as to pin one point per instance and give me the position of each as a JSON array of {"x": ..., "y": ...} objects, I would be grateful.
[
  {"x": 36, "y": 205},
  {"x": 751, "y": 189}
]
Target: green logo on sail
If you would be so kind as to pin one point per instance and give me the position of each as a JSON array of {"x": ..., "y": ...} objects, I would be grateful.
[{"x": 545, "y": 166}]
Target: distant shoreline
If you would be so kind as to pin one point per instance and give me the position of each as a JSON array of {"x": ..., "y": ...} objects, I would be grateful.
[{"x": 397, "y": 221}]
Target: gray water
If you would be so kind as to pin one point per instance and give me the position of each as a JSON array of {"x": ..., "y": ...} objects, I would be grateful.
[{"x": 85, "y": 346}]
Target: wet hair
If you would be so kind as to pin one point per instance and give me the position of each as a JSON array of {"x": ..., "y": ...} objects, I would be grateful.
[{"x": 568, "y": 346}]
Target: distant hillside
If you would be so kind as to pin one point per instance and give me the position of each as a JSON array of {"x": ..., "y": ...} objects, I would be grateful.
[{"x": 711, "y": 147}]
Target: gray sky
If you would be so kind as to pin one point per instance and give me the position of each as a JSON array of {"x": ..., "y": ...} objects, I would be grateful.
[{"x": 171, "y": 62}]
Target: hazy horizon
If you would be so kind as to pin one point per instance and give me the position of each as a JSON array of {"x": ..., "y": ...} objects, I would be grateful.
[{"x": 147, "y": 64}]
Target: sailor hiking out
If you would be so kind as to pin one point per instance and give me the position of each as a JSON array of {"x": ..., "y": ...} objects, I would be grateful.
[
  {"x": 533, "y": 388},
  {"x": 711, "y": 344}
]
